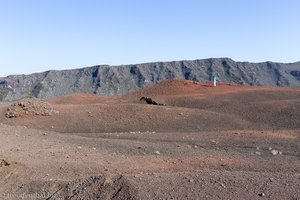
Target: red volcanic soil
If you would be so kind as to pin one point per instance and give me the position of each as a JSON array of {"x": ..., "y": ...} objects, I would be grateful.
[
  {"x": 75, "y": 99},
  {"x": 224, "y": 142},
  {"x": 190, "y": 107}
]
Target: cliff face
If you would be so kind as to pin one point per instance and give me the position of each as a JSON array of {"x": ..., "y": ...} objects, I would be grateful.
[{"x": 118, "y": 80}]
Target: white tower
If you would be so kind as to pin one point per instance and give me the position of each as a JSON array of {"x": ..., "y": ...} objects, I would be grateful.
[{"x": 215, "y": 81}]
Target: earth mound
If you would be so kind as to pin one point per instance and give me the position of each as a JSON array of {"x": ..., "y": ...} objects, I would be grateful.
[
  {"x": 171, "y": 87},
  {"x": 29, "y": 107},
  {"x": 179, "y": 87}
]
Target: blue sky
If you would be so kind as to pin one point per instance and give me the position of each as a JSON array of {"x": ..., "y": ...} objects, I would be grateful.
[{"x": 38, "y": 35}]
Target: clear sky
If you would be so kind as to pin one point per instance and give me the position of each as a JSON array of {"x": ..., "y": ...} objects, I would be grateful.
[{"x": 38, "y": 35}]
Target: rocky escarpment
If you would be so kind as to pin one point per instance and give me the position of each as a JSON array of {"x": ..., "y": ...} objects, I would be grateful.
[{"x": 118, "y": 80}]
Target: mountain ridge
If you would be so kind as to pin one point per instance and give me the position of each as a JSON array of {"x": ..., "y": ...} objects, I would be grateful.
[{"x": 120, "y": 79}]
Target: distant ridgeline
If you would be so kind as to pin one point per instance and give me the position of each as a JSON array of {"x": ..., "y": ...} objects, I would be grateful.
[{"x": 118, "y": 80}]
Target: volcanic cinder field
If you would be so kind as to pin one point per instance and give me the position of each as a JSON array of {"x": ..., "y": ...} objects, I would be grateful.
[{"x": 224, "y": 142}]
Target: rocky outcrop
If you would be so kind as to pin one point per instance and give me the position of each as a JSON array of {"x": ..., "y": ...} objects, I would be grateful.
[
  {"x": 118, "y": 80},
  {"x": 148, "y": 100},
  {"x": 29, "y": 107}
]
